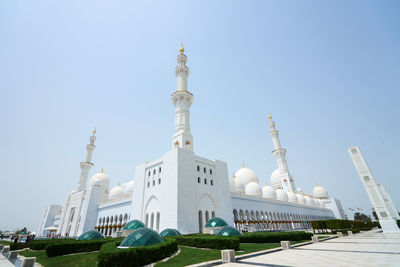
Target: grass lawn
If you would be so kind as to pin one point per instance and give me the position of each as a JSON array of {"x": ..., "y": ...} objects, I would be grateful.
[
  {"x": 190, "y": 255},
  {"x": 85, "y": 259}
]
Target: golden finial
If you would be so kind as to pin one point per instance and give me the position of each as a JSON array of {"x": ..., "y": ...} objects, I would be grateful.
[
  {"x": 243, "y": 165},
  {"x": 94, "y": 131},
  {"x": 182, "y": 50},
  {"x": 269, "y": 116},
  {"x": 102, "y": 170},
  {"x": 119, "y": 184}
]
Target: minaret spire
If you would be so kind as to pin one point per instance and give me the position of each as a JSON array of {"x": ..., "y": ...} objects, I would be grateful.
[
  {"x": 87, "y": 165},
  {"x": 182, "y": 99},
  {"x": 279, "y": 153}
]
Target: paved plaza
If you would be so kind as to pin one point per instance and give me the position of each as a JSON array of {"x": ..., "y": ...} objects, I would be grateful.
[{"x": 365, "y": 249}]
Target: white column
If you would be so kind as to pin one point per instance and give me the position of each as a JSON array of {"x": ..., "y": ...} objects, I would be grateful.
[
  {"x": 182, "y": 99},
  {"x": 87, "y": 165},
  {"x": 280, "y": 155},
  {"x": 378, "y": 201}
]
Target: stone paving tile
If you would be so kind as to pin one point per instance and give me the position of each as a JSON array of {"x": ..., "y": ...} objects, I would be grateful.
[{"x": 365, "y": 249}]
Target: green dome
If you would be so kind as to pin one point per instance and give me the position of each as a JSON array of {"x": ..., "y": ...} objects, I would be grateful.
[
  {"x": 132, "y": 225},
  {"x": 141, "y": 237},
  {"x": 91, "y": 235},
  {"x": 229, "y": 231},
  {"x": 169, "y": 232},
  {"x": 216, "y": 222}
]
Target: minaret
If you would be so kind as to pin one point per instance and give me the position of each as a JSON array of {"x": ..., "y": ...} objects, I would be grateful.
[
  {"x": 279, "y": 153},
  {"x": 182, "y": 99},
  {"x": 87, "y": 165}
]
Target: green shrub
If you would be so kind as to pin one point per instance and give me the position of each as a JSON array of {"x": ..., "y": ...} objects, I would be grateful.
[
  {"x": 398, "y": 223},
  {"x": 319, "y": 224},
  {"x": 17, "y": 246},
  {"x": 213, "y": 242},
  {"x": 110, "y": 256},
  {"x": 42, "y": 244},
  {"x": 274, "y": 237},
  {"x": 75, "y": 246},
  {"x": 4, "y": 242},
  {"x": 338, "y": 224}
]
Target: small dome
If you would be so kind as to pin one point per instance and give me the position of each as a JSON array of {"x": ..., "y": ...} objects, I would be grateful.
[
  {"x": 299, "y": 191},
  {"x": 276, "y": 178},
  {"x": 134, "y": 224},
  {"x": 246, "y": 176},
  {"x": 268, "y": 192},
  {"x": 309, "y": 200},
  {"x": 253, "y": 189},
  {"x": 100, "y": 179},
  {"x": 320, "y": 192},
  {"x": 90, "y": 235},
  {"x": 169, "y": 232},
  {"x": 281, "y": 195},
  {"x": 301, "y": 199},
  {"x": 141, "y": 237},
  {"x": 216, "y": 222},
  {"x": 128, "y": 190},
  {"x": 229, "y": 231},
  {"x": 238, "y": 186},
  {"x": 116, "y": 193},
  {"x": 321, "y": 202},
  {"x": 292, "y": 197}
]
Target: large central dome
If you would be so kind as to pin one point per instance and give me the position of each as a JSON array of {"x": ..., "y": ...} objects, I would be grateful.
[{"x": 245, "y": 175}]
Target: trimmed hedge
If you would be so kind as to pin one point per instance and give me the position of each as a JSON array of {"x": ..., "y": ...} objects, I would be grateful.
[
  {"x": 18, "y": 246},
  {"x": 274, "y": 237},
  {"x": 42, "y": 244},
  {"x": 110, "y": 256},
  {"x": 213, "y": 242},
  {"x": 338, "y": 225},
  {"x": 69, "y": 247}
]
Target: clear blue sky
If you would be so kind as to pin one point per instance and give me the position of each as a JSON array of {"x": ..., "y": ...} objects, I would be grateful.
[{"x": 328, "y": 71}]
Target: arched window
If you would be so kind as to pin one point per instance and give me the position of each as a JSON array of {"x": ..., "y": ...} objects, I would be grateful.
[
  {"x": 159, "y": 180},
  {"x": 211, "y": 182},
  {"x": 159, "y": 170},
  {"x": 154, "y": 182},
  {"x": 154, "y": 171},
  {"x": 198, "y": 179},
  {"x": 147, "y": 220},
  {"x": 205, "y": 181},
  {"x": 149, "y": 173},
  {"x": 207, "y": 217},
  {"x": 210, "y": 171},
  {"x": 152, "y": 221},
  {"x": 205, "y": 170},
  {"x": 200, "y": 222},
  {"x": 198, "y": 168},
  {"x": 158, "y": 222},
  {"x": 213, "y": 214}
]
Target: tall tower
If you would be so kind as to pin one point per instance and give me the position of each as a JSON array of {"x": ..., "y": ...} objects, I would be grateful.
[
  {"x": 380, "y": 200},
  {"x": 279, "y": 153},
  {"x": 182, "y": 99},
  {"x": 87, "y": 165}
]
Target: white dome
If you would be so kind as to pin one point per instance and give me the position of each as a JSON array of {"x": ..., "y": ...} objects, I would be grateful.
[
  {"x": 100, "y": 179},
  {"x": 238, "y": 186},
  {"x": 253, "y": 189},
  {"x": 301, "y": 199},
  {"x": 128, "y": 188},
  {"x": 276, "y": 178},
  {"x": 281, "y": 195},
  {"x": 116, "y": 193},
  {"x": 292, "y": 197},
  {"x": 309, "y": 200},
  {"x": 320, "y": 192},
  {"x": 246, "y": 176},
  {"x": 268, "y": 192}
]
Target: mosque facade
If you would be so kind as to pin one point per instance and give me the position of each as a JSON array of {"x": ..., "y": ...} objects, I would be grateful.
[{"x": 182, "y": 190}]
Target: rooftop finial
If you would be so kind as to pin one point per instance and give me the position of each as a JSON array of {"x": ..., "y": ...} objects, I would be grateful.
[
  {"x": 182, "y": 50},
  {"x": 243, "y": 165},
  {"x": 269, "y": 116},
  {"x": 102, "y": 170},
  {"x": 94, "y": 131}
]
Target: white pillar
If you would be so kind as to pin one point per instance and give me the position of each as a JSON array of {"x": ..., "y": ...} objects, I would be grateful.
[
  {"x": 182, "y": 99},
  {"x": 387, "y": 220}
]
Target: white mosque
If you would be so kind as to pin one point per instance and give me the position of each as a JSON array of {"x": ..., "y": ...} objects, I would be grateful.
[{"x": 183, "y": 191}]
